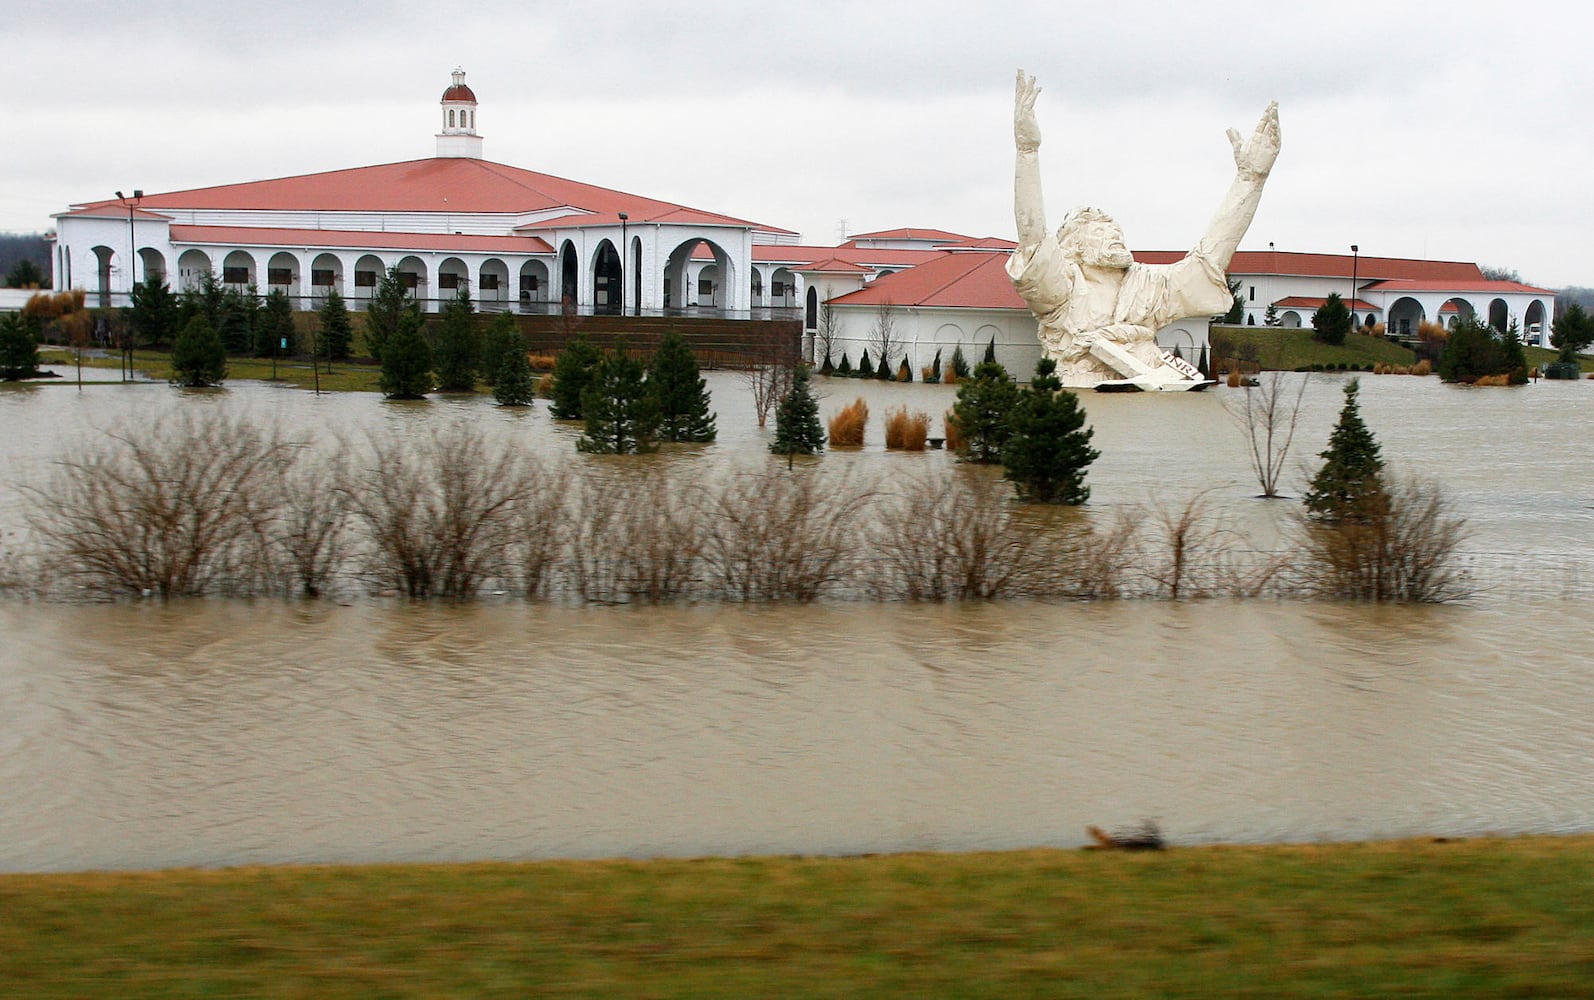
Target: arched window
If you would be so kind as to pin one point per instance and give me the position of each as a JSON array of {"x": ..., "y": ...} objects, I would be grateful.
[{"x": 450, "y": 117}]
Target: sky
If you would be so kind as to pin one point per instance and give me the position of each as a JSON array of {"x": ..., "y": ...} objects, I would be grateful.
[{"x": 1446, "y": 130}]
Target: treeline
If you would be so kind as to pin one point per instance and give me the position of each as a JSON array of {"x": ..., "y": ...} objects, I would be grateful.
[
  {"x": 198, "y": 504},
  {"x": 25, "y": 260}
]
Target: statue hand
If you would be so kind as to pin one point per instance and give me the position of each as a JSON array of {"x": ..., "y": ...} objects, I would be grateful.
[
  {"x": 1255, "y": 156},
  {"x": 1026, "y": 132}
]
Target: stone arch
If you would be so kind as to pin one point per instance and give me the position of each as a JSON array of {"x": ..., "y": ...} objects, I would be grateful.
[
  {"x": 238, "y": 270},
  {"x": 1289, "y": 319},
  {"x": 326, "y": 275},
  {"x": 533, "y": 287},
  {"x": 569, "y": 273},
  {"x": 710, "y": 288},
  {"x": 282, "y": 272},
  {"x": 676, "y": 269},
  {"x": 1533, "y": 324},
  {"x": 1456, "y": 310},
  {"x": 608, "y": 279},
  {"x": 452, "y": 275},
  {"x": 103, "y": 256},
  {"x": 192, "y": 266},
  {"x": 983, "y": 336},
  {"x": 811, "y": 309},
  {"x": 783, "y": 289},
  {"x": 1404, "y": 315},
  {"x": 1180, "y": 339},
  {"x": 492, "y": 283},
  {"x": 368, "y": 272},
  {"x": 1499, "y": 315},
  {"x": 412, "y": 271},
  {"x": 152, "y": 264},
  {"x": 755, "y": 287}
]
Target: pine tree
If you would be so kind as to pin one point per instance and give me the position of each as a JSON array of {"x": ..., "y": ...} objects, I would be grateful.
[
  {"x": 503, "y": 334},
  {"x": 513, "y": 384},
  {"x": 797, "y": 427},
  {"x": 681, "y": 392},
  {"x": 620, "y": 410},
  {"x": 1331, "y": 322},
  {"x": 198, "y": 356},
  {"x": 387, "y": 309},
  {"x": 1048, "y": 449},
  {"x": 276, "y": 324},
  {"x": 844, "y": 369},
  {"x": 458, "y": 351},
  {"x": 984, "y": 407},
  {"x": 960, "y": 364},
  {"x": 1351, "y": 480},
  {"x": 865, "y": 369},
  {"x": 154, "y": 313},
  {"x": 337, "y": 332},
  {"x": 904, "y": 371},
  {"x": 572, "y": 373},
  {"x": 19, "y": 348},
  {"x": 407, "y": 360},
  {"x": 240, "y": 312},
  {"x": 990, "y": 352}
]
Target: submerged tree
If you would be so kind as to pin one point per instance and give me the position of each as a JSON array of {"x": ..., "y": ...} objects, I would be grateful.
[
  {"x": 681, "y": 391},
  {"x": 458, "y": 351},
  {"x": 513, "y": 384},
  {"x": 154, "y": 313},
  {"x": 1048, "y": 449},
  {"x": 275, "y": 336},
  {"x": 406, "y": 360},
  {"x": 503, "y": 335},
  {"x": 1572, "y": 332},
  {"x": 619, "y": 408},
  {"x": 1475, "y": 349},
  {"x": 387, "y": 310},
  {"x": 573, "y": 371},
  {"x": 1350, "y": 481},
  {"x": 198, "y": 357},
  {"x": 984, "y": 406},
  {"x": 1268, "y": 413},
  {"x": 19, "y": 348},
  {"x": 797, "y": 427}
]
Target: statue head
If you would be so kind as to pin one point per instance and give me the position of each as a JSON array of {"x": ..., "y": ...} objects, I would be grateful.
[{"x": 1090, "y": 237}]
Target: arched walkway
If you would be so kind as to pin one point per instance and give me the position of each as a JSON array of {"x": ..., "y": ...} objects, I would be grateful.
[
  {"x": 238, "y": 271},
  {"x": 282, "y": 274},
  {"x": 103, "y": 255},
  {"x": 533, "y": 290},
  {"x": 412, "y": 271},
  {"x": 152, "y": 265},
  {"x": 326, "y": 275},
  {"x": 452, "y": 276},
  {"x": 192, "y": 267},
  {"x": 1499, "y": 315},
  {"x": 492, "y": 283},
  {"x": 608, "y": 280},
  {"x": 720, "y": 275},
  {"x": 569, "y": 273},
  {"x": 1404, "y": 316},
  {"x": 368, "y": 272}
]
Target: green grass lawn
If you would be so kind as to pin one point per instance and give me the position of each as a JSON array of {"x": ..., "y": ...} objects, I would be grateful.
[
  {"x": 1278, "y": 348},
  {"x": 1415, "y": 919}
]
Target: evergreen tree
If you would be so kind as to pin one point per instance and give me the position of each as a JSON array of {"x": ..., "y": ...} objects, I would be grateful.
[
  {"x": 19, "y": 348},
  {"x": 797, "y": 427},
  {"x": 935, "y": 369},
  {"x": 1236, "y": 313},
  {"x": 406, "y": 360},
  {"x": 458, "y": 352},
  {"x": 1048, "y": 447},
  {"x": 1331, "y": 322},
  {"x": 904, "y": 371},
  {"x": 390, "y": 304},
  {"x": 984, "y": 407},
  {"x": 681, "y": 392},
  {"x": 25, "y": 275},
  {"x": 513, "y": 384},
  {"x": 208, "y": 297},
  {"x": 1572, "y": 332},
  {"x": 1350, "y": 480},
  {"x": 865, "y": 369},
  {"x": 337, "y": 332},
  {"x": 503, "y": 335},
  {"x": 621, "y": 412},
  {"x": 1513, "y": 357},
  {"x": 153, "y": 316},
  {"x": 844, "y": 370},
  {"x": 1475, "y": 349},
  {"x": 239, "y": 312},
  {"x": 198, "y": 356},
  {"x": 1271, "y": 316},
  {"x": 990, "y": 352},
  {"x": 960, "y": 364},
  {"x": 572, "y": 373},
  {"x": 276, "y": 324}
]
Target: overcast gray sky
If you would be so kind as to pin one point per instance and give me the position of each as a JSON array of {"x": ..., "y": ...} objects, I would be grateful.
[{"x": 1454, "y": 130}]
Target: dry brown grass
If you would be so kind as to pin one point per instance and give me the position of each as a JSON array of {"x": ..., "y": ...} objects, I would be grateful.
[
  {"x": 1403, "y": 550},
  {"x": 954, "y": 437},
  {"x": 542, "y": 362},
  {"x": 1493, "y": 380},
  {"x": 846, "y": 427},
  {"x": 906, "y": 431},
  {"x": 950, "y": 375},
  {"x": 545, "y": 386},
  {"x": 1423, "y": 367},
  {"x": 1234, "y": 380}
]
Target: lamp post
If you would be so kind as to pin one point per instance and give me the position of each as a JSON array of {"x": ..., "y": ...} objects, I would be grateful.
[
  {"x": 132, "y": 270},
  {"x": 625, "y": 252},
  {"x": 1354, "y": 258}
]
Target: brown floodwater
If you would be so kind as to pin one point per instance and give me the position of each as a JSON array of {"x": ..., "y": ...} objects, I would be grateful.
[{"x": 220, "y": 732}]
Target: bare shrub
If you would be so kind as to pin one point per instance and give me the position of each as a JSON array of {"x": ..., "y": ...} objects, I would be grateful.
[
  {"x": 175, "y": 508},
  {"x": 773, "y": 536},
  {"x": 1403, "y": 549},
  {"x": 1268, "y": 414},
  {"x": 541, "y": 527},
  {"x": 1191, "y": 555},
  {"x": 906, "y": 431},
  {"x": 770, "y": 359},
  {"x": 634, "y": 539},
  {"x": 438, "y": 511},
  {"x": 309, "y": 542},
  {"x": 954, "y": 437},
  {"x": 846, "y": 427}
]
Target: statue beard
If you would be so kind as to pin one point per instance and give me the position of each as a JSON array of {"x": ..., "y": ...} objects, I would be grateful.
[{"x": 1113, "y": 257}]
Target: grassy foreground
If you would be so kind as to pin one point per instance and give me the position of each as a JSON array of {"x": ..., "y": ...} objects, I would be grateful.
[{"x": 1466, "y": 918}]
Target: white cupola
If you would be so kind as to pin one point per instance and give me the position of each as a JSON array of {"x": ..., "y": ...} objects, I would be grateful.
[{"x": 459, "y": 137}]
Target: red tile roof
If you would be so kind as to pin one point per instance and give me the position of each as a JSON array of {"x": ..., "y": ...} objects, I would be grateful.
[
  {"x": 985, "y": 243},
  {"x": 834, "y": 265},
  {"x": 1483, "y": 286},
  {"x": 936, "y": 235},
  {"x": 110, "y": 210},
  {"x": 1328, "y": 265},
  {"x": 319, "y": 238},
  {"x": 459, "y": 93},
  {"x": 766, "y": 253},
  {"x": 440, "y": 184},
  {"x": 1307, "y": 302},
  {"x": 951, "y": 280}
]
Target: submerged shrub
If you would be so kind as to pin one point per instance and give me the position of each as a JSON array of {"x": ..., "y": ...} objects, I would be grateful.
[
  {"x": 1404, "y": 547},
  {"x": 906, "y": 431},
  {"x": 846, "y": 427}
]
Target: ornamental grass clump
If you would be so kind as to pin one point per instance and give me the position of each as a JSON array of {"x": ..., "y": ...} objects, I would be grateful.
[
  {"x": 846, "y": 427},
  {"x": 906, "y": 431}
]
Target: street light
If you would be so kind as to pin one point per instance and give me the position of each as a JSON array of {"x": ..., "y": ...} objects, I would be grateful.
[
  {"x": 132, "y": 267},
  {"x": 625, "y": 251},
  {"x": 1354, "y": 251}
]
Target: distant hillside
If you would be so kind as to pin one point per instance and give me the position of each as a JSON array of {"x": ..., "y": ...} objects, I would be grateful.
[
  {"x": 17, "y": 247},
  {"x": 1574, "y": 293}
]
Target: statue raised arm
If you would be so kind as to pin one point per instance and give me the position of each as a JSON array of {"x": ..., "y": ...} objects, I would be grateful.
[
  {"x": 1253, "y": 160},
  {"x": 1029, "y": 210}
]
